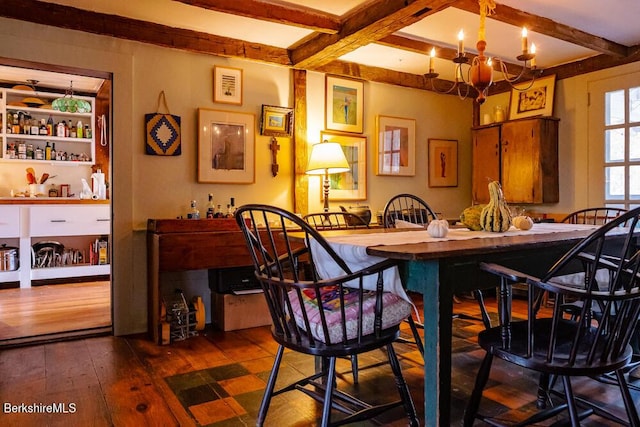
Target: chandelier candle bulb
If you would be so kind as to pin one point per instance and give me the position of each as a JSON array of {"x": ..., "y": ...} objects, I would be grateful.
[
  {"x": 525, "y": 47},
  {"x": 533, "y": 52},
  {"x": 433, "y": 55},
  {"x": 461, "y": 43}
]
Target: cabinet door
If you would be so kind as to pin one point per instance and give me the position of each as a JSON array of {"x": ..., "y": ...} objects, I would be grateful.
[
  {"x": 486, "y": 161},
  {"x": 530, "y": 161},
  {"x": 9, "y": 221}
]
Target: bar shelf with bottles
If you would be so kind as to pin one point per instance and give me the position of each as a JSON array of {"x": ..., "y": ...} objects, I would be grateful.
[{"x": 32, "y": 131}]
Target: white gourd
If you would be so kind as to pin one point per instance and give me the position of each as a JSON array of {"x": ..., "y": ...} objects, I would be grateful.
[
  {"x": 523, "y": 222},
  {"x": 438, "y": 228}
]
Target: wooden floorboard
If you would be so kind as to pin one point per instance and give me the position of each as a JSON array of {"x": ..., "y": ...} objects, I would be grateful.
[
  {"x": 130, "y": 381},
  {"x": 51, "y": 311}
]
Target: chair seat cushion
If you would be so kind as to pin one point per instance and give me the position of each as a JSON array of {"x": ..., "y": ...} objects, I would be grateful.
[{"x": 394, "y": 311}]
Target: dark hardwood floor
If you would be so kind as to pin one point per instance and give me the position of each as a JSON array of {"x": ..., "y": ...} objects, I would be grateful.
[{"x": 217, "y": 379}]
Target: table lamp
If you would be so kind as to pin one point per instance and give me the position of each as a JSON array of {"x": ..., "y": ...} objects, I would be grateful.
[{"x": 327, "y": 157}]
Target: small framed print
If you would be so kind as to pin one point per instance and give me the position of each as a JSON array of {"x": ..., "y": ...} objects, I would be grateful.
[
  {"x": 227, "y": 85},
  {"x": 531, "y": 99},
  {"x": 344, "y": 104},
  {"x": 396, "y": 146},
  {"x": 226, "y": 147},
  {"x": 276, "y": 121},
  {"x": 443, "y": 163}
]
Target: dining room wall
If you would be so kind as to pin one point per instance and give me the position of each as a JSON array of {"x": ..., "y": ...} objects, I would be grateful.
[{"x": 145, "y": 186}]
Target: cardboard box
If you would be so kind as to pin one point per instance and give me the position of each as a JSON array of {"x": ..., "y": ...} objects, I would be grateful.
[{"x": 230, "y": 312}]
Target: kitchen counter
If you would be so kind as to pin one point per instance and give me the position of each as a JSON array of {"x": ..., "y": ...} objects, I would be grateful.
[{"x": 50, "y": 201}]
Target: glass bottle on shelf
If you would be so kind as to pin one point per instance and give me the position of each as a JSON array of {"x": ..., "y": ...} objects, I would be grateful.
[
  {"x": 50, "y": 125},
  {"x": 61, "y": 129},
  {"x": 231, "y": 208},
  {"x": 211, "y": 208},
  {"x": 47, "y": 152},
  {"x": 194, "y": 213},
  {"x": 53, "y": 152},
  {"x": 218, "y": 213},
  {"x": 43, "y": 128}
]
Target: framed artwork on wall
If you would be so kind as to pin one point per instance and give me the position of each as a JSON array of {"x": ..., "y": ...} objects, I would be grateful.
[
  {"x": 226, "y": 147},
  {"x": 227, "y": 85},
  {"x": 344, "y": 104},
  {"x": 396, "y": 146},
  {"x": 532, "y": 99},
  {"x": 351, "y": 185},
  {"x": 443, "y": 163},
  {"x": 276, "y": 121}
]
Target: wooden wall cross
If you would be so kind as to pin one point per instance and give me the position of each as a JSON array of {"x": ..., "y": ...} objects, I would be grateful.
[{"x": 274, "y": 147}]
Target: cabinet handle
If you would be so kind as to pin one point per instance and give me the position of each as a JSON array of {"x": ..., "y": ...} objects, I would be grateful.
[
  {"x": 58, "y": 220},
  {"x": 103, "y": 219}
]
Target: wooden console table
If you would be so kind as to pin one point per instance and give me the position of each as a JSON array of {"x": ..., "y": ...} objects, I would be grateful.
[{"x": 185, "y": 244}]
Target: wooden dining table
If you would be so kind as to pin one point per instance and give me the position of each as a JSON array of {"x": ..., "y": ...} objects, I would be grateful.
[{"x": 440, "y": 269}]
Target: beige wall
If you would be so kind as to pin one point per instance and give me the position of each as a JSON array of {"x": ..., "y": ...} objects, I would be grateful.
[{"x": 160, "y": 187}]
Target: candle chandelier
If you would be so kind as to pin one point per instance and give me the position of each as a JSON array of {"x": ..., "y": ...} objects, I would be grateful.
[{"x": 480, "y": 70}]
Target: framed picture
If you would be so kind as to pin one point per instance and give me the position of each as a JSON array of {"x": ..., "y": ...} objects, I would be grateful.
[
  {"x": 226, "y": 147},
  {"x": 351, "y": 185},
  {"x": 344, "y": 104},
  {"x": 227, "y": 85},
  {"x": 443, "y": 163},
  {"x": 396, "y": 146},
  {"x": 528, "y": 100},
  {"x": 276, "y": 121}
]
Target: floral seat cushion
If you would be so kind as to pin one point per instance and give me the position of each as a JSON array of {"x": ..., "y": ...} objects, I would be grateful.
[{"x": 395, "y": 310}]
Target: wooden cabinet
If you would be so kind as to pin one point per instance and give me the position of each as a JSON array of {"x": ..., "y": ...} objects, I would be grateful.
[
  {"x": 74, "y": 226},
  {"x": 522, "y": 155}
]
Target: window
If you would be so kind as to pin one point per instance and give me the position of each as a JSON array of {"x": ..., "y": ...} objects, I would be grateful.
[
  {"x": 622, "y": 146},
  {"x": 614, "y": 141}
]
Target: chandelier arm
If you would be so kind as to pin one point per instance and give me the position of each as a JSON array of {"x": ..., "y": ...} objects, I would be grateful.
[
  {"x": 445, "y": 92},
  {"x": 503, "y": 69}
]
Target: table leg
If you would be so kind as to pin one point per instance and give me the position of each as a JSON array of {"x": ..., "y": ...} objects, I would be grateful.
[{"x": 424, "y": 278}]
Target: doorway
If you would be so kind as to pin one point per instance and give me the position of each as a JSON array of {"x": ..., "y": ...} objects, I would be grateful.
[{"x": 59, "y": 289}]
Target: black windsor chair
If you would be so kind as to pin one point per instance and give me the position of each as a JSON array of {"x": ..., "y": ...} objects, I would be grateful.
[
  {"x": 335, "y": 220},
  {"x": 325, "y": 317},
  {"x": 592, "y": 343}
]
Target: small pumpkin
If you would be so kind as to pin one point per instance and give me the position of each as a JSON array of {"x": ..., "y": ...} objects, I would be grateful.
[
  {"x": 470, "y": 217},
  {"x": 523, "y": 222},
  {"x": 496, "y": 216},
  {"x": 438, "y": 228}
]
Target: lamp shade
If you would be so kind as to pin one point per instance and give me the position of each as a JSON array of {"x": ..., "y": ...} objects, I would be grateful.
[{"x": 327, "y": 157}]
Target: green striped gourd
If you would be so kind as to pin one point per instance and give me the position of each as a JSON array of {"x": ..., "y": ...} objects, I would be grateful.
[{"x": 496, "y": 215}]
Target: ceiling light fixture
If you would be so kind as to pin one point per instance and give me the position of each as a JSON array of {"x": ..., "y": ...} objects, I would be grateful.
[
  {"x": 69, "y": 104},
  {"x": 480, "y": 72}
]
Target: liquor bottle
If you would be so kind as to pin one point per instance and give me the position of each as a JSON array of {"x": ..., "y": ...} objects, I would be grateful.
[
  {"x": 43, "y": 128},
  {"x": 211, "y": 208},
  {"x": 218, "y": 213},
  {"x": 79, "y": 130},
  {"x": 194, "y": 213},
  {"x": 231, "y": 208},
  {"x": 50, "y": 125},
  {"x": 47, "y": 152},
  {"x": 53, "y": 152}
]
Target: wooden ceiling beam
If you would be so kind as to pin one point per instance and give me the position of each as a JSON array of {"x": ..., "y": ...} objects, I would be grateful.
[
  {"x": 72, "y": 18},
  {"x": 296, "y": 16},
  {"x": 548, "y": 27},
  {"x": 362, "y": 26}
]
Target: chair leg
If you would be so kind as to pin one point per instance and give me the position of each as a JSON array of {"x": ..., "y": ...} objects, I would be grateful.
[
  {"x": 354, "y": 368},
  {"x": 476, "y": 395},
  {"x": 632, "y": 411},
  {"x": 571, "y": 402},
  {"x": 403, "y": 389},
  {"x": 416, "y": 335},
  {"x": 268, "y": 391},
  {"x": 328, "y": 394},
  {"x": 486, "y": 320}
]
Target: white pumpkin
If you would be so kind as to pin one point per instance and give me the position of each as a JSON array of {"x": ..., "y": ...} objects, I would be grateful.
[
  {"x": 523, "y": 222},
  {"x": 438, "y": 228}
]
